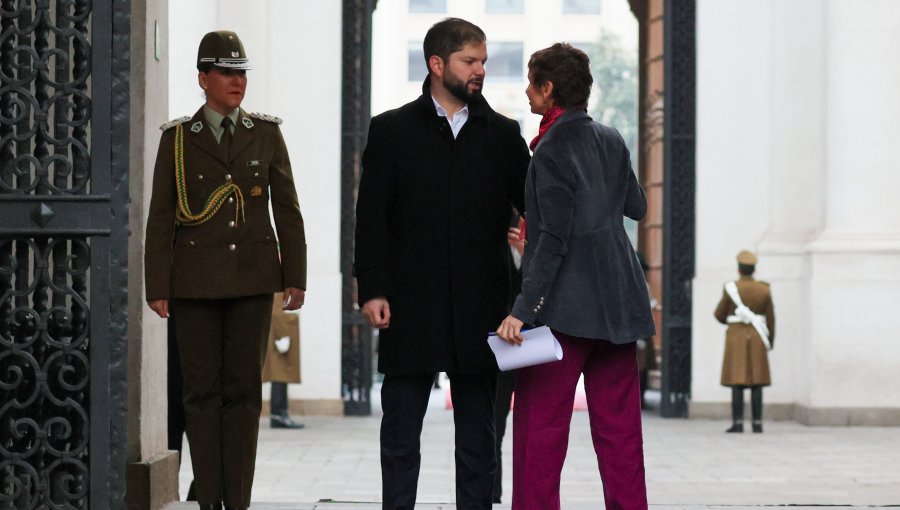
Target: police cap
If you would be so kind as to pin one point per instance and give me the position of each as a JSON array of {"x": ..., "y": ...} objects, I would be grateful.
[
  {"x": 222, "y": 49},
  {"x": 746, "y": 258}
]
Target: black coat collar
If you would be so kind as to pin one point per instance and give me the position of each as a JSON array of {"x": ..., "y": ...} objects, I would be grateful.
[{"x": 478, "y": 105}]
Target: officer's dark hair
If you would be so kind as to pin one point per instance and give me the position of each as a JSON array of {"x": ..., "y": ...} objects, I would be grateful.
[
  {"x": 205, "y": 67},
  {"x": 569, "y": 69},
  {"x": 746, "y": 269},
  {"x": 448, "y": 36}
]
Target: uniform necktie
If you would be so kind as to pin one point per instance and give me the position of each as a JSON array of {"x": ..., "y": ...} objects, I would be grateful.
[{"x": 225, "y": 141}]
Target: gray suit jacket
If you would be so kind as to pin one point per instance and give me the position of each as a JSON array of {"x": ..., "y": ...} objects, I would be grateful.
[{"x": 580, "y": 275}]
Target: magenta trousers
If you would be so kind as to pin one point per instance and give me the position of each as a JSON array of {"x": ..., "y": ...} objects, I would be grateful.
[{"x": 544, "y": 400}]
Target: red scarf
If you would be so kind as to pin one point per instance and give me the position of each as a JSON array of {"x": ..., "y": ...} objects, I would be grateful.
[{"x": 547, "y": 120}]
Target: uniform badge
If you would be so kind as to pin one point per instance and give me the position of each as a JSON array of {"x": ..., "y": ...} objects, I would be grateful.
[
  {"x": 197, "y": 126},
  {"x": 254, "y": 162},
  {"x": 256, "y": 191},
  {"x": 247, "y": 123}
]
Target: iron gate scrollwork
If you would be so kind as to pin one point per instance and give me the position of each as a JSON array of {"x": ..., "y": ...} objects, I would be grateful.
[
  {"x": 679, "y": 204},
  {"x": 63, "y": 245},
  {"x": 356, "y": 341}
]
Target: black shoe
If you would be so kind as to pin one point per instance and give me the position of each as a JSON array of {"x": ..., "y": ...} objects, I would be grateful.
[
  {"x": 211, "y": 506},
  {"x": 496, "y": 500},
  {"x": 283, "y": 422},
  {"x": 736, "y": 428},
  {"x": 757, "y": 428},
  {"x": 241, "y": 508}
]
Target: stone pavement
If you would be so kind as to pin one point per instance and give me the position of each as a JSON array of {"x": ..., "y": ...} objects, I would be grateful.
[{"x": 332, "y": 464}]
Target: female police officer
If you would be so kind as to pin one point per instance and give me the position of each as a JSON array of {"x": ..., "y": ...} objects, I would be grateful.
[{"x": 213, "y": 260}]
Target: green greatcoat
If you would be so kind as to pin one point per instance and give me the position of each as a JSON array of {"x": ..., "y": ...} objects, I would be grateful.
[
  {"x": 746, "y": 361},
  {"x": 235, "y": 253}
]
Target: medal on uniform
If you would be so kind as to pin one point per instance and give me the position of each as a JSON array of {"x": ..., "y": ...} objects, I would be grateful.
[{"x": 256, "y": 191}]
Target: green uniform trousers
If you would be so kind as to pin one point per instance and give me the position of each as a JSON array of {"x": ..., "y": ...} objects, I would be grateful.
[{"x": 222, "y": 345}]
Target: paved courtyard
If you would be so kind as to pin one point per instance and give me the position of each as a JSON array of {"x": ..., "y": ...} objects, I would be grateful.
[{"x": 332, "y": 464}]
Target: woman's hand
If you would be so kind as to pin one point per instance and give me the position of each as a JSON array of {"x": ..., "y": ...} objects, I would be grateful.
[
  {"x": 160, "y": 306},
  {"x": 510, "y": 330},
  {"x": 293, "y": 298}
]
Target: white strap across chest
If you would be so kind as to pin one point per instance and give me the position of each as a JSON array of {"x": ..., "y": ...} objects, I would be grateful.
[{"x": 744, "y": 315}]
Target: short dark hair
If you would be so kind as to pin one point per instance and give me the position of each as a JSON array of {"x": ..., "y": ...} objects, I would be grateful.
[
  {"x": 449, "y": 36},
  {"x": 746, "y": 269},
  {"x": 569, "y": 69},
  {"x": 205, "y": 67}
]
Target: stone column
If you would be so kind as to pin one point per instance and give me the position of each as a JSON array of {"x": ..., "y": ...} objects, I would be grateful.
[
  {"x": 796, "y": 190},
  {"x": 855, "y": 279},
  {"x": 152, "y": 475}
]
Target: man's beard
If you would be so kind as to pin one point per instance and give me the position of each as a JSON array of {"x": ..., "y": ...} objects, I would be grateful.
[{"x": 460, "y": 89}]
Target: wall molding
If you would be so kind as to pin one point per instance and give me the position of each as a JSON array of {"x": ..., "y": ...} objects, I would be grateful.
[{"x": 805, "y": 415}]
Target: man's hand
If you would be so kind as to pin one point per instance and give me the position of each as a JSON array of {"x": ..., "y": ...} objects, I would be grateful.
[
  {"x": 513, "y": 238},
  {"x": 510, "y": 330},
  {"x": 160, "y": 306},
  {"x": 377, "y": 312},
  {"x": 293, "y": 298}
]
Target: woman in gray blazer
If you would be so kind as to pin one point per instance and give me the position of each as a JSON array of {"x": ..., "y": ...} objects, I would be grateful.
[{"x": 580, "y": 277}]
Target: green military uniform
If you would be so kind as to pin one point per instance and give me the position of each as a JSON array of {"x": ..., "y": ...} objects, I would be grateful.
[
  {"x": 746, "y": 360},
  {"x": 212, "y": 252}
]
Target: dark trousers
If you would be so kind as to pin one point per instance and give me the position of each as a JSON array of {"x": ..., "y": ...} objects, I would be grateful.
[
  {"x": 175, "y": 398},
  {"x": 506, "y": 383},
  {"x": 737, "y": 404},
  {"x": 174, "y": 392},
  {"x": 222, "y": 345},
  {"x": 278, "y": 401},
  {"x": 404, "y": 400}
]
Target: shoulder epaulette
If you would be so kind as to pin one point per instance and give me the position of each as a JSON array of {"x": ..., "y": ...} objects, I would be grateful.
[
  {"x": 266, "y": 117},
  {"x": 173, "y": 123}
]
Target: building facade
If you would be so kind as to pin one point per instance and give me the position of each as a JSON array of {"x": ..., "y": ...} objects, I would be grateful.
[{"x": 797, "y": 122}]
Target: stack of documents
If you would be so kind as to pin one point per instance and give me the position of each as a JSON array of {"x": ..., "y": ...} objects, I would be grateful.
[{"x": 540, "y": 346}]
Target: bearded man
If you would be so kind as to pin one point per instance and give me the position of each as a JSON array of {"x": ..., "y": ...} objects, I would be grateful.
[{"x": 440, "y": 176}]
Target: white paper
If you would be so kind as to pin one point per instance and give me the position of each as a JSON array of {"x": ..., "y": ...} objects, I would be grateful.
[{"x": 540, "y": 346}]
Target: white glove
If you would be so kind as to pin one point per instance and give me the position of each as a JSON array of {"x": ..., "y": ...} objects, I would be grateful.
[{"x": 283, "y": 344}]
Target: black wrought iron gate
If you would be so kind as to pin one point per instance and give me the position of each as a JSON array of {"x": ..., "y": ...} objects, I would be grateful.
[
  {"x": 64, "y": 123},
  {"x": 679, "y": 200},
  {"x": 356, "y": 338}
]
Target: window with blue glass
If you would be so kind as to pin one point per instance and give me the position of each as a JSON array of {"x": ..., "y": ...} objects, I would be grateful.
[
  {"x": 427, "y": 5},
  {"x": 582, "y": 6},
  {"x": 417, "y": 69},
  {"x": 504, "y": 6},
  {"x": 505, "y": 61}
]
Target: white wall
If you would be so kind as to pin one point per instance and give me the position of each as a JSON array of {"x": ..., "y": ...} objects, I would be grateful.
[
  {"x": 856, "y": 259},
  {"x": 294, "y": 47},
  {"x": 797, "y": 121}
]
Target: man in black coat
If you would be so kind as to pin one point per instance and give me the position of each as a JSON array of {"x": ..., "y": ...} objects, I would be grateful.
[{"x": 439, "y": 177}]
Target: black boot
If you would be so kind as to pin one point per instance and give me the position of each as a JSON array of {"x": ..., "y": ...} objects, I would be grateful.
[
  {"x": 211, "y": 506},
  {"x": 756, "y": 407},
  {"x": 278, "y": 413},
  {"x": 737, "y": 410}
]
